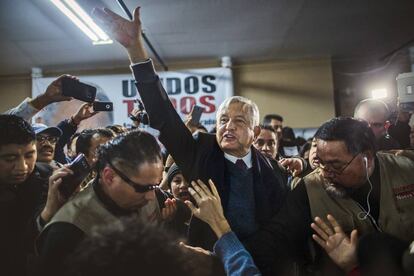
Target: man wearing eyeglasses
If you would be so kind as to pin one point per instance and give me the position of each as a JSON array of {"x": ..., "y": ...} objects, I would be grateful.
[
  {"x": 129, "y": 170},
  {"x": 46, "y": 138},
  {"x": 376, "y": 113},
  {"x": 363, "y": 189}
]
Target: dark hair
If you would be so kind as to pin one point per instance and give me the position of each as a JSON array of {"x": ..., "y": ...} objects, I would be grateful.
[
  {"x": 288, "y": 133},
  {"x": 15, "y": 131},
  {"x": 69, "y": 143},
  {"x": 83, "y": 143},
  {"x": 268, "y": 118},
  {"x": 267, "y": 127},
  {"x": 131, "y": 149},
  {"x": 131, "y": 247},
  {"x": 356, "y": 134},
  {"x": 305, "y": 147},
  {"x": 118, "y": 129}
]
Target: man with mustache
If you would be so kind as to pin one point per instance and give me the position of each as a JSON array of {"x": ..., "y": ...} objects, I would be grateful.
[
  {"x": 129, "y": 168},
  {"x": 251, "y": 189},
  {"x": 363, "y": 189},
  {"x": 46, "y": 138}
]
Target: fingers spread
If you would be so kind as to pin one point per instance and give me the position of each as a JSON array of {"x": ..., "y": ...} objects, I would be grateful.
[{"x": 320, "y": 232}]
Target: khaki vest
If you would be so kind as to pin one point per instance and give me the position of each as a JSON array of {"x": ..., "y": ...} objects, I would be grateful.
[
  {"x": 87, "y": 212},
  {"x": 396, "y": 216}
]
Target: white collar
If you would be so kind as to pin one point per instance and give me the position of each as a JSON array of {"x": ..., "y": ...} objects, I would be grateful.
[{"x": 247, "y": 158}]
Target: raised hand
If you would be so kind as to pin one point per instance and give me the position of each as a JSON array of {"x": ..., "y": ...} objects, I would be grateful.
[
  {"x": 340, "y": 248},
  {"x": 52, "y": 94},
  {"x": 170, "y": 209},
  {"x": 293, "y": 165},
  {"x": 55, "y": 199},
  {"x": 84, "y": 112},
  {"x": 127, "y": 33},
  {"x": 209, "y": 206}
]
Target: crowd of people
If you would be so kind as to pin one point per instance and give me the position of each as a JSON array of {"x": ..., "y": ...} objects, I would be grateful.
[{"x": 248, "y": 199}]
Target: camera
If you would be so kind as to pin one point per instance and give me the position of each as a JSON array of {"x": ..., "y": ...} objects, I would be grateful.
[
  {"x": 78, "y": 90},
  {"x": 70, "y": 183},
  {"x": 103, "y": 106},
  {"x": 405, "y": 84},
  {"x": 142, "y": 116}
]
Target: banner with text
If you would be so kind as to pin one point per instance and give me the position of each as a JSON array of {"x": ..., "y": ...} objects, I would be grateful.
[{"x": 204, "y": 87}]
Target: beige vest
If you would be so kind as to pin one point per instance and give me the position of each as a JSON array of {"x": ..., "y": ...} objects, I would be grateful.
[
  {"x": 396, "y": 204},
  {"x": 87, "y": 212}
]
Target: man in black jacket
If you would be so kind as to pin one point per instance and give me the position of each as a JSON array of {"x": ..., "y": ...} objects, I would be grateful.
[
  {"x": 23, "y": 191},
  {"x": 252, "y": 191}
]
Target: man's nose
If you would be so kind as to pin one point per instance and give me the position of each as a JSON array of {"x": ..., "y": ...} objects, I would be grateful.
[{"x": 21, "y": 164}]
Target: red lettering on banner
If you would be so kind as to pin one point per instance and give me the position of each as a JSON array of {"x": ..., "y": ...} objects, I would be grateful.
[
  {"x": 208, "y": 102},
  {"x": 130, "y": 105},
  {"x": 186, "y": 104},
  {"x": 174, "y": 103}
]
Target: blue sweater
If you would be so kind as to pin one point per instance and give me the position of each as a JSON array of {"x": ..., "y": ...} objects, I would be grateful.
[{"x": 236, "y": 260}]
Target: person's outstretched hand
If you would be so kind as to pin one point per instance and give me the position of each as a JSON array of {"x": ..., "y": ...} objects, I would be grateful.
[
  {"x": 209, "y": 207},
  {"x": 340, "y": 248},
  {"x": 127, "y": 33}
]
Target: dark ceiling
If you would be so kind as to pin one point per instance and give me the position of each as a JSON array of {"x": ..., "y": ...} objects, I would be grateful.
[{"x": 35, "y": 34}]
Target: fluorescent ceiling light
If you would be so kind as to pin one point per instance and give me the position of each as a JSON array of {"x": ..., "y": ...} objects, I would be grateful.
[
  {"x": 379, "y": 93},
  {"x": 83, "y": 21}
]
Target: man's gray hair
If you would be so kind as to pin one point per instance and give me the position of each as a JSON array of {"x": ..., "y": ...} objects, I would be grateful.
[{"x": 251, "y": 108}]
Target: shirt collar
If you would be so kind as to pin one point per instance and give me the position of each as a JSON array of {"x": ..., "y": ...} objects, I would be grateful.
[{"x": 247, "y": 159}]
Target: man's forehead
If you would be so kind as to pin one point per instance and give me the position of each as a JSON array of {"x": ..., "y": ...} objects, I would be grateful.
[
  {"x": 267, "y": 134},
  {"x": 331, "y": 150},
  {"x": 14, "y": 149}
]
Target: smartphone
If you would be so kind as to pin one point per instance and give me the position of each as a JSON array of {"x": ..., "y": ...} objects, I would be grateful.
[
  {"x": 70, "y": 183},
  {"x": 103, "y": 106},
  {"x": 78, "y": 90},
  {"x": 196, "y": 115}
]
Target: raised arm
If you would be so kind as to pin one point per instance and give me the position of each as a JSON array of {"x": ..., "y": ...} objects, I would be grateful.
[{"x": 162, "y": 115}]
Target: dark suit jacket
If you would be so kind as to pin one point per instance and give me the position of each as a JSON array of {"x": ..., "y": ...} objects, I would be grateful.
[{"x": 200, "y": 157}]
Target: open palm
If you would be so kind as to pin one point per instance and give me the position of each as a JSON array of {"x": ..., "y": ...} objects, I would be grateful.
[{"x": 340, "y": 248}]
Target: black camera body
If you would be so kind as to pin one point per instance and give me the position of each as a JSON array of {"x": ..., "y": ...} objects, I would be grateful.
[
  {"x": 103, "y": 106},
  {"x": 405, "y": 84},
  {"x": 142, "y": 116},
  {"x": 78, "y": 90},
  {"x": 70, "y": 183}
]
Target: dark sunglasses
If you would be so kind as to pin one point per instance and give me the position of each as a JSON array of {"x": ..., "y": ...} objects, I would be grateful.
[{"x": 139, "y": 188}]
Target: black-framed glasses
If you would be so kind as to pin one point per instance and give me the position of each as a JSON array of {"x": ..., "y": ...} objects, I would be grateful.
[
  {"x": 43, "y": 138},
  {"x": 139, "y": 188},
  {"x": 332, "y": 168}
]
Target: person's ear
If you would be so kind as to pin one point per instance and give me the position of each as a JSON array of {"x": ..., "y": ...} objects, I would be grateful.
[
  {"x": 107, "y": 176},
  {"x": 256, "y": 131},
  {"x": 387, "y": 124}
]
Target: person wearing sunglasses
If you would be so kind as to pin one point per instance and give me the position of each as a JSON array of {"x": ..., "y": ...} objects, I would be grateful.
[
  {"x": 363, "y": 189},
  {"x": 129, "y": 169}
]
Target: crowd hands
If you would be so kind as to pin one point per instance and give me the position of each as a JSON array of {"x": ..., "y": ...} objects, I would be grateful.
[{"x": 287, "y": 192}]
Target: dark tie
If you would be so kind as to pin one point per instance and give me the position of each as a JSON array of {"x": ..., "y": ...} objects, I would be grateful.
[{"x": 241, "y": 165}]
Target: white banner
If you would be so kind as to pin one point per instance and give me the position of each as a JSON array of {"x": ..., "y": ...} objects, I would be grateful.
[{"x": 204, "y": 87}]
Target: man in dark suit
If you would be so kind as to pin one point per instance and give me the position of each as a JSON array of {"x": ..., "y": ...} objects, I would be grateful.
[{"x": 252, "y": 191}]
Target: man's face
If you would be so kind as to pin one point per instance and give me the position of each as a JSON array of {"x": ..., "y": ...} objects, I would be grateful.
[
  {"x": 343, "y": 171},
  {"x": 277, "y": 126},
  {"x": 45, "y": 144},
  {"x": 312, "y": 154},
  {"x": 235, "y": 132},
  {"x": 125, "y": 195},
  {"x": 267, "y": 143},
  {"x": 179, "y": 187},
  {"x": 17, "y": 162},
  {"x": 376, "y": 121},
  {"x": 96, "y": 141}
]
